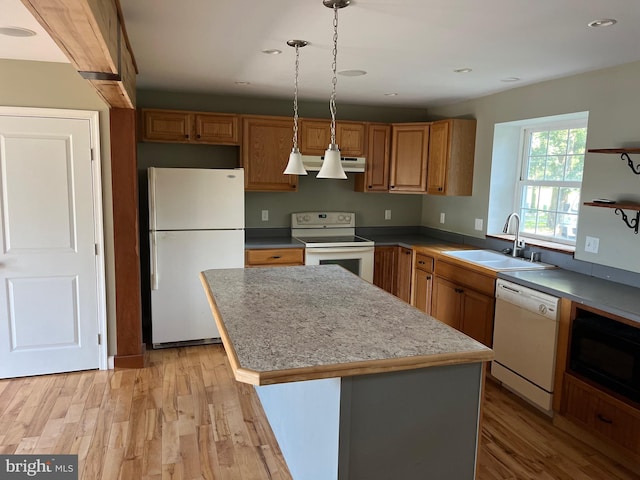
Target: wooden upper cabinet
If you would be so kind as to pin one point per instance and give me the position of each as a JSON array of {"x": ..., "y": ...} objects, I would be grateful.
[
  {"x": 376, "y": 176},
  {"x": 266, "y": 145},
  {"x": 451, "y": 155},
  {"x": 218, "y": 128},
  {"x": 166, "y": 126},
  {"x": 178, "y": 126},
  {"x": 410, "y": 147},
  {"x": 315, "y": 136}
]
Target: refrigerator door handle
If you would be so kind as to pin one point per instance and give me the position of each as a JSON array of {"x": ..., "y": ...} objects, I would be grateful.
[
  {"x": 154, "y": 262},
  {"x": 151, "y": 172}
]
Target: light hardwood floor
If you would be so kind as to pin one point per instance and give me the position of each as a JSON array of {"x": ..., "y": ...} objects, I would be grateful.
[{"x": 184, "y": 417}]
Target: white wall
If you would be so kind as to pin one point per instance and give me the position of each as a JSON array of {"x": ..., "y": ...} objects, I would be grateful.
[
  {"x": 612, "y": 99},
  {"x": 58, "y": 85}
]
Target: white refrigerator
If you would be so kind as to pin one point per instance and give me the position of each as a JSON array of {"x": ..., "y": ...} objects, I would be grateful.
[{"x": 196, "y": 223}]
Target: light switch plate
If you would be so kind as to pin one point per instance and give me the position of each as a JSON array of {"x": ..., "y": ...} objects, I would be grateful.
[
  {"x": 442, "y": 217},
  {"x": 265, "y": 215},
  {"x": 591, "y": 244},
  {"x": 478, "y": 224},
  {"x": 387, "y": 214}
]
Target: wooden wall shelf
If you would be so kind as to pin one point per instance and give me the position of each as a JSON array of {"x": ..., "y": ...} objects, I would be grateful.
[
  {"x": 632, "y": 223},
  {"x": 624, "y": 155}
]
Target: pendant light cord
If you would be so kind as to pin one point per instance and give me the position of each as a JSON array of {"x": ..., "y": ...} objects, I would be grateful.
[
  {"x": 334, "y": 80},
  {"x": 295, "y": 102}
]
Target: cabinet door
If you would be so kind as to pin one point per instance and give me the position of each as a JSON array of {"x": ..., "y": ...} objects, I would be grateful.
[
  {"x": 266, "y": 144},
  {"x": 166, "y": 126},
  {"x": 409, "y": 149},
  {"x": 314, "y": 136},
  {"x": 403, "y": 290},
  {"x": 446, "y": 300},
  {"x": 218, "y": 129},
  {"x": 438, "y": 155},
  {"x": 351, "y": 138},
  {"x": 451, "y": 156},
  {"x": 376, "y": 176},
  {"x": 384, "y": 268},
  {"x": 476, "y": 316},
  {"x": 423, "y": 287}
]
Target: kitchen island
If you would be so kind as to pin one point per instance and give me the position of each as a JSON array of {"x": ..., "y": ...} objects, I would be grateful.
[{"x": 356, "y": 384}]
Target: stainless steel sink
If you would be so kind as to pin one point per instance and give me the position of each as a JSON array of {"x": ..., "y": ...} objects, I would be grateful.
[{"x": 495, "y": 260}]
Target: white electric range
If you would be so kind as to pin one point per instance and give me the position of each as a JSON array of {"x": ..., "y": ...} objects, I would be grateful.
[{"x": 330, "y": 237}]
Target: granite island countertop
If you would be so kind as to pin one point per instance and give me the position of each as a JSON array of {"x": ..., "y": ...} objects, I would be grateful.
[{"x": 282, "y": 324}]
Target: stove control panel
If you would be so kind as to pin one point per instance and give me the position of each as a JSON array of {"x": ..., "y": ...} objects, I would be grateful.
[{"x": 323, "y": 219}]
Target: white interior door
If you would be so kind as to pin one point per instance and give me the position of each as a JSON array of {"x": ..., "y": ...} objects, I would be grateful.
[{"x": 49, "y": 274}]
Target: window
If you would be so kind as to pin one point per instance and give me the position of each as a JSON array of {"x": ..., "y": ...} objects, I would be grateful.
[{"x": 548, "y": 196}]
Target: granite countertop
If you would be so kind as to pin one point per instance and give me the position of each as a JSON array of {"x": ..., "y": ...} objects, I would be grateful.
[
  {"x": 282, "y": 324},
  {"x": 605, "y": 295}
]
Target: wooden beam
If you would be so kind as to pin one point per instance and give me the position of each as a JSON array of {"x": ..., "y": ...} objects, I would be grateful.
[
  {"x": 92, "y": 35},
  {"x": 124, "y": 178}
]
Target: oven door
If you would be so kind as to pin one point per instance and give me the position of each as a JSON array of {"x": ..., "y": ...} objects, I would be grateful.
[{"x": 358, "y": 260}]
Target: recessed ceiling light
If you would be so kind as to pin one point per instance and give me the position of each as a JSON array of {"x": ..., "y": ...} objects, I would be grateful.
[
  {"x": 272, "y": 51},
  {"x": 242, "y": 84},
  {"x": 510, "y": 79},
  {"x": 391, "y": 94},
  {"x": 463, "y": 70},
  {"x": 352, "y": 73},
  {"x": 603, "y": 22},
  {"x": 16, "y": 32}
]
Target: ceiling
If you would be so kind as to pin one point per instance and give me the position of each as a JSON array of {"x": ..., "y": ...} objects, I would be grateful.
[{"x": 408, "y": 47}]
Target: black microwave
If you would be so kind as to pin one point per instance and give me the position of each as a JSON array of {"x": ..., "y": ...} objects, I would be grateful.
[{"x": 607, "y": 352}]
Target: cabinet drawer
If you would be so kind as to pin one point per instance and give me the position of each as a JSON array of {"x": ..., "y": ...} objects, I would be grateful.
[
  {"x": 602, "y": 414},
  {"x": 467, "y": 277},
  {"x": 278, "y": 256},
  {"x": 424, "y": 262}
]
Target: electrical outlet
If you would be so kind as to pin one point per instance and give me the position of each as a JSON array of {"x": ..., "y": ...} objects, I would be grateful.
[
  {"x": 478, "y": 224},
  {"x": 591, "y": 244},
  {"x": 265, "y": 215},
  {"x": 442, "y": 217},
  {"x": 387, "y": 214}
]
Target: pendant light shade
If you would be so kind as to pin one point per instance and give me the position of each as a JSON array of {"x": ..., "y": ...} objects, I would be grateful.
[
  {"x": 332, "y": 164},
  {"x": 295, "y": 166}
]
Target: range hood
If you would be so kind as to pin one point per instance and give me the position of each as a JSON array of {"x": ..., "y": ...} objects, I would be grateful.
[{"x": 350, "y": 164}]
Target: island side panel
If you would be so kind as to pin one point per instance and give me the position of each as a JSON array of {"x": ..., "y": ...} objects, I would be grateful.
[
  {"x": 305, "y": 419},
  {"x": 412, "y": 425}
]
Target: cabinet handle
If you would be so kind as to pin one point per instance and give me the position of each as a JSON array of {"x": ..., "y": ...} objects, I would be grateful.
[
  {"x": 276, "y": 256},
  {"x": 186, "y": 136},
  {"x": 393, "y": 186},
  {"x": 604, "y": 419},
  {"x": 421, "y": 262},
  {"x": 428, "y": 277},
  {"x": 439, "y": 189},
  {"x": 459, "y": 290},
  {"x": 198, "y": 136},
  {"x": 370, "y": 186}
]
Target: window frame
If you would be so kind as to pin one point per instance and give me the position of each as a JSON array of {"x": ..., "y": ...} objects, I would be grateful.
[{"x": 522, "y": 183}]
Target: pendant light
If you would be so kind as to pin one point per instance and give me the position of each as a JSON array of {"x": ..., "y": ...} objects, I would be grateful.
[
  {"x": 295, "y": 166},
  {"x": 332, "y": 164}
]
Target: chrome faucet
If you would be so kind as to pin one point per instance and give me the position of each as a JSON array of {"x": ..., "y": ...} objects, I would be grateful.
[{"x": 518, "y": 245}]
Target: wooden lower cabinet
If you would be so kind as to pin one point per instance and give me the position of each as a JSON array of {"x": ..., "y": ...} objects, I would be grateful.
[
  {"x": 403, "y": 274},
  {"x": 392, "y": 270},
  {"x": 272, "y": 257},
  {"x": 463, "y": 308},
  {"x": 384, "y": 268},
  {"x": 423, "y": 282},
  {"x": 601, "y": 414}
]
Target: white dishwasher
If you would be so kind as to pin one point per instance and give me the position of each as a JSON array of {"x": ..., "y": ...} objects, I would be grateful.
[{"x": 524, "y": 342}]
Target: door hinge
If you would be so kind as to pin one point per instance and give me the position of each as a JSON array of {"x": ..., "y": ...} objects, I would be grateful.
[{"x": 99, "y": 339}]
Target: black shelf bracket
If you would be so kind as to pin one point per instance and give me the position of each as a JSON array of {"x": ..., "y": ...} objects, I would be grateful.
[
  {"x": 635, "y": 169},
  {"x": 633, "y": 223}
]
